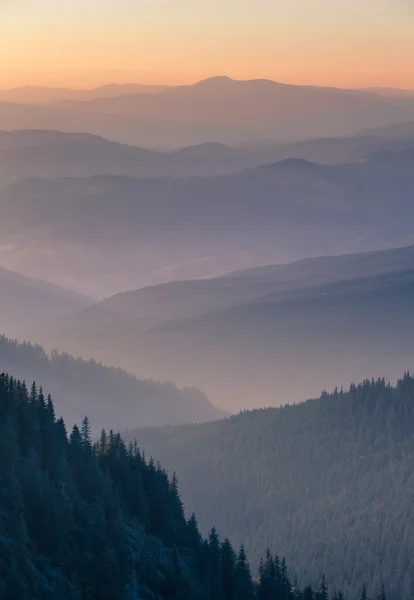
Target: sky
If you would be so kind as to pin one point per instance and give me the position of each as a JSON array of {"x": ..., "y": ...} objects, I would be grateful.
[{"x": 83, "y": 43}]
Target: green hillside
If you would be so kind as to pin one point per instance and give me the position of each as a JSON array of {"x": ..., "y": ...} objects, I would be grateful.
[
  {"x": 328, "y": 482},
  {"x": 95, "y": 521}
]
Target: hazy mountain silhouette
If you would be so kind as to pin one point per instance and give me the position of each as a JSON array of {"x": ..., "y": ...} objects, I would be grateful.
[
  {"x": 260, "y": 336},
  {"x": 31, "y": 94},
  {"x": 105, "y": 234},
  {"x": 111, "y": 397},
  {"x": 390, "y": 131},
  {"x": 52, "y": 154},
  {"x": 25, "y": 301},
  {"x": 216, "y": 110}
]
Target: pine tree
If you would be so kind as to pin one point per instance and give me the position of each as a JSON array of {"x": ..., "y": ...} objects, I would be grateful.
[
  {"x": 86, "y": 435},
  {"x": 243, "y": 585},
  {"x": 194, "y": 536},
  {"x": 216, "y": 575},
  {"x": 285, "y": 581},
  {"x": 228, "y": 565},
  {"x": 268, "y": 585},
  {"x": 33, "y": 393}
]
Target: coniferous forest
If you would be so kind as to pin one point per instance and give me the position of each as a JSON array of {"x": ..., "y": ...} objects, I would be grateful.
[
  {"x": 84, "y": 520},
  {"x": 328, "y": 483}
]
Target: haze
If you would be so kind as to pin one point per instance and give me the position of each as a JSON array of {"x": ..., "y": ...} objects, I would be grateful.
[{"x": 206, "y": 299}]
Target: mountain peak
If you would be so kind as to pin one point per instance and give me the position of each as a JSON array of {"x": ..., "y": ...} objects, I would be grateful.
[
  {"x": 217, "y": 79},
  {"x": 290, "y": 164},
  {"x": 225, "y": 80}
]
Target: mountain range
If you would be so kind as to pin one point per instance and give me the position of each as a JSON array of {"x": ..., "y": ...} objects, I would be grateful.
[
  {"x": 104, "y": 234},
  {"x": 215, "y": 110},
  {"x": 44, "y": 95},
  {"x": 231, "y": 248},
  {"x": 53, "y": 154},
  {"x": 263, "y": 336}
]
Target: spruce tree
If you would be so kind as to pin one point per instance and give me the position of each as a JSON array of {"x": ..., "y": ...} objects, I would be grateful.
[
  {"x": 243, "y": 585},
  {"x": 86, "y": 435},
  {"x": 228, "y": 565},
  {"x": 216, "y": 574}
]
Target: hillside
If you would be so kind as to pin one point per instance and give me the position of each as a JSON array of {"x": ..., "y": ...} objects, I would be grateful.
[
  {"x": 328, "y": 481},
  {"x": 54, "y": 154},
  {"x": 243, "y": 337},
  {"x": 26, "y": 302},
  {"x": 90, "y": 520},
  {"x": 239, "y": 110},
  {"x": 214, "y": 110},
  {"x": 105, "y": 234},
  {"x": 111, "y": 397},
  {"x": 50, "y": 154}
]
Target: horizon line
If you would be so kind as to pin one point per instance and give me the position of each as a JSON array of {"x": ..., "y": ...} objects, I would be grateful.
[{"x": 166, "y": 86}]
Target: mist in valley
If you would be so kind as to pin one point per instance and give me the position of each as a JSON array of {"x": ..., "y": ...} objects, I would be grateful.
[{"x": 206, "y": 310}]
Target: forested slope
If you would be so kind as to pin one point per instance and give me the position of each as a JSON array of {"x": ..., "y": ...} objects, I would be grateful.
[
  {"x": 328, "y": 482},
  {"x": 84, "y": 521},
  {"x": 111, "y": 397}
]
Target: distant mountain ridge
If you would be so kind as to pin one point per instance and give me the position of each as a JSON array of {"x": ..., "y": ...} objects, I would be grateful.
[
  {"x": 44, "y": 95},
  {"x": 216, "y": 110},
  {"x": 111, "y": 397},
  {"x": 241, "y": 337},
  {"x": 54, "y": 154},
  {"x": 390, "y": 131},
  {"x": 107, "y": 233}
]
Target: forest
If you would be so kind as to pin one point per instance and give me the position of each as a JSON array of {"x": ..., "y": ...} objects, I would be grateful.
[
  {"x": 89, "y": 387},
  {"x": 85, "y": 520},
  {"x": 328, "y": 483}
]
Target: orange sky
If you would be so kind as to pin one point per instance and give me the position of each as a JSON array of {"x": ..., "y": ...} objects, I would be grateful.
[{"x": 323, "y": 42}]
